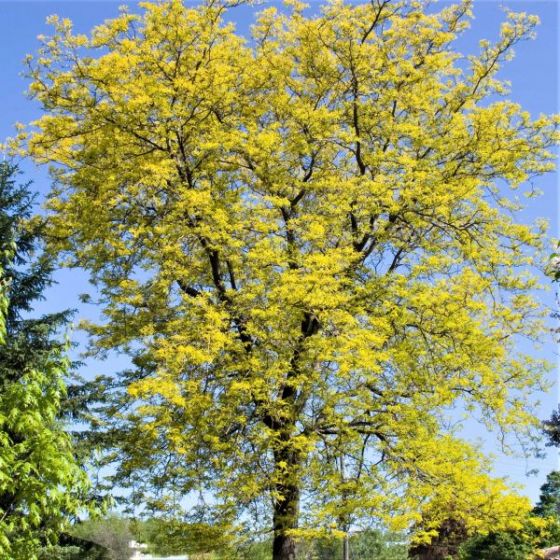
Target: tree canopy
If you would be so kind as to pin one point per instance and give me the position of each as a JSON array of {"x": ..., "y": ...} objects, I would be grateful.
[{"x": 304, "y": 243}]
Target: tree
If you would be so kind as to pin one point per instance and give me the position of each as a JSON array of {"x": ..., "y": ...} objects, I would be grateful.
[
  {"x": 305, "y": 246},
  {"x": 551, "y": 428},
  {"x": 549, "y": 500},
  {"x": 528, "y": 542},
  {"x": 377, "y": 545},
  {"x": 112, "y": 533},
  {"x": 540, "y": 531},
  {"x": 548, "y": 507},
  {"x": 167, "y": 537},
  {"x": 40, "y": 481},
  {"x": 505, "y": 545},
  {"x": 74, "y": 548}
]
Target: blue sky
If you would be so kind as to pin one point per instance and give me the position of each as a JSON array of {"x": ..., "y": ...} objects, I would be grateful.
[{"x": 533, "y": 73}]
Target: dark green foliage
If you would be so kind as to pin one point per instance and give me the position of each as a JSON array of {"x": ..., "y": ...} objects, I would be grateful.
[
  {"x": 551, "y": 428},
  {"x": 71, "y": 547},
  {"x": 506, "y": 545},
  {"x": 41, "y": 486},
  {"x": 549, "y": 501},
  {"x": 548, "y": 506}
]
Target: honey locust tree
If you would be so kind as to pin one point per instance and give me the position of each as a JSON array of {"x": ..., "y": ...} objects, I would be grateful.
[{"x": 303, "y": 243}]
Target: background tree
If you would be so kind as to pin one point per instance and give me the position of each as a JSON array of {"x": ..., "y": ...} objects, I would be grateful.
[
  {"x": 40, "y": 483},
  {"x": 539, "y": 531},
  {"x": 112, "y": 533},
  {"x": 304, "y": 246},
  {"x": 379, "y": 545},
  {"x": 172, "y": 536},
  {"x": 551, "y": 428},
  {"x": 504, "y": 545},
  {"x": 70, "y": 547},
  {"x": 549, "y": 500},
  {"x": 528, "y": 542}
]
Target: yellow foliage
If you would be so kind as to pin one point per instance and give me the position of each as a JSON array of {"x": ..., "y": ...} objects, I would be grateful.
[{"x": 302, "y": 242}]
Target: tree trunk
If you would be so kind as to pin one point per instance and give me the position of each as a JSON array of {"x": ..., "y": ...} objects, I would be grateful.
[
  {"x": 284, "y": 547},
  {"x": 288, "y": 458},
  {"x": 346, "y": 547},
  {"x": 285, "y": 518}
]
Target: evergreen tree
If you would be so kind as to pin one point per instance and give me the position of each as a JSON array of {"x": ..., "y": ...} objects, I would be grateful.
[
  {"x": 549, "y": 500},
  {"x": 551, "y": 428},
  {"x": 41, "y": 484}
]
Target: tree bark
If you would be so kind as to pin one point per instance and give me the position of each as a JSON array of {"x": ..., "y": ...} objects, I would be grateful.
[
  {"x": 346, "y": 547},
  {"x": 286, "y": 512},
  {"x": 287, "y": 458},
  {"x": 284, "y": 547}
]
